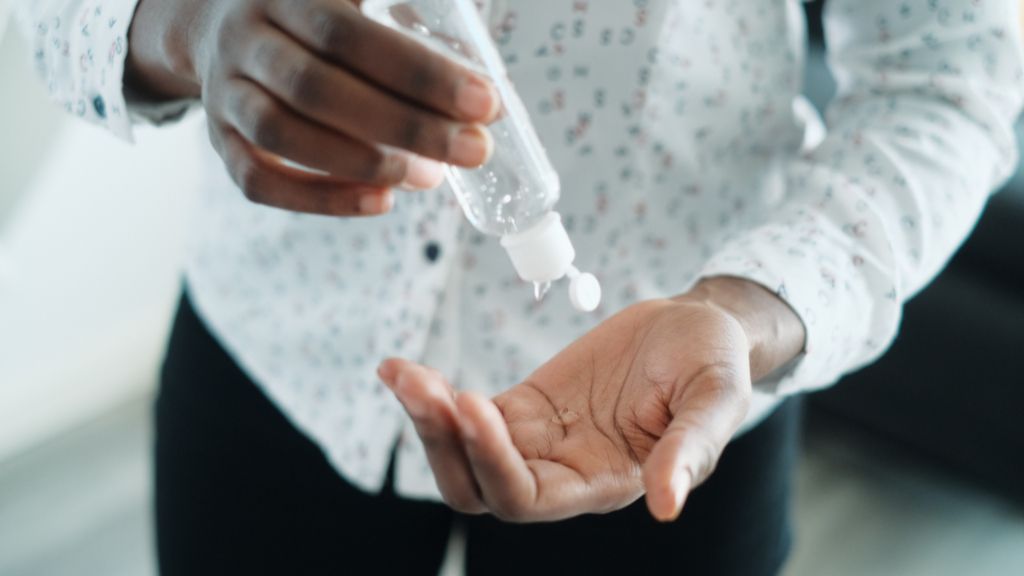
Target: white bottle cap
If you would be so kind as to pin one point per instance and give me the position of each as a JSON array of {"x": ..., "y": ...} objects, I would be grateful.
[
  {"x": 585, "y": 292},
  {"x": 544, "y": 253}
]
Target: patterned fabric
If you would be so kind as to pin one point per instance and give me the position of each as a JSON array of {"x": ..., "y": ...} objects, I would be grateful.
[
  {"x": 685, "y": 150},
  {"x": 79, "y": 49}
]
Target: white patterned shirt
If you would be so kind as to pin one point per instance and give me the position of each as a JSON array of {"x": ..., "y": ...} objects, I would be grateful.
[{"x": 685, "y": 150}]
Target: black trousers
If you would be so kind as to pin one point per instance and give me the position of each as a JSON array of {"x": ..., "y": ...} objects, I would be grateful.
[{"x": 240, "y": 491}]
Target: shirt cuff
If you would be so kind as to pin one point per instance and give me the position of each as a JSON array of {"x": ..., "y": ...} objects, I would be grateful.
[
  {"x": 847, "y": 319},
  {"x": 100, "y": 43}
]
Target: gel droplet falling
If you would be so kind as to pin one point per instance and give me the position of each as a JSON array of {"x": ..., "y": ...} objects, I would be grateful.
[{"x": 540, "y": 289}]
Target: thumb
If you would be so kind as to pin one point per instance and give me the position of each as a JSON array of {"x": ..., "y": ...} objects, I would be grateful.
[{"x": 704, "y": 418}]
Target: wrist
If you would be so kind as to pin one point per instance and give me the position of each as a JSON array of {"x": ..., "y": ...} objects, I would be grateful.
[
  {"x": 159, "y": 64},
  {"x": 775, "y": 334}
]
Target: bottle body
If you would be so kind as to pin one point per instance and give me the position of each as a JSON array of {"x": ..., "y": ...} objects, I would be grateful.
[
  {"x": 513, "y": 195},
  {"x": 518, "y": 186}
]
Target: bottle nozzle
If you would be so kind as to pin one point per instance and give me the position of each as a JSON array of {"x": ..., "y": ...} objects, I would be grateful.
[{"x": 544, "y": 253}]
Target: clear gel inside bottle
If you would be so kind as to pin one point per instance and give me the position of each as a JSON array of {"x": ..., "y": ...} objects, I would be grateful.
[{"x": 513, "y": 195}]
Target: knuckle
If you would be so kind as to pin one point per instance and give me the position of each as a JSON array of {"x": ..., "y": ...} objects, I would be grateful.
[
  {"x": 384, "y": 169},
  {"x": 267, "y": 132},
  {"x": 420, "y": 135},
  {"x": 411, "y": 133},
  {"x": 303, "y": 84},
  {"x": 266, "y": 53},
  {"x": 235, "y": 33},
  {"x": 333, "y": 30},
  {"x": 424, "y": 79}
]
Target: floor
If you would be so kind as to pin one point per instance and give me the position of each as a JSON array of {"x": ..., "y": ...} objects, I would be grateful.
[{"x": 79, "y": 505}]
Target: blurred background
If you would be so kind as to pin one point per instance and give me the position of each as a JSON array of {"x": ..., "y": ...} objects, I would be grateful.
[{"x": 914, "y": 466}]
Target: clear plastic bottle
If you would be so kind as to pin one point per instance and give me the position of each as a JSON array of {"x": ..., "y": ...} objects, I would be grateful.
[{"x": 513, "y": 195}]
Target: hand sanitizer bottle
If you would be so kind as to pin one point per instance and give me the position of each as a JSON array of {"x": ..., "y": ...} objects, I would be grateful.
[{"x": 513, "y": 195}]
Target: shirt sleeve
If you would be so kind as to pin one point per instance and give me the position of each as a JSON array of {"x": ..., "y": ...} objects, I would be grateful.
[
  {"x": 79, "y": 48},
  {"x": 920, "y": 134}
]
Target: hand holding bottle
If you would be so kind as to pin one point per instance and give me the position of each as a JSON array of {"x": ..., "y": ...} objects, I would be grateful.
[
  {"x": 512, "y": 197},
  {"x": 317, "y": 83}
]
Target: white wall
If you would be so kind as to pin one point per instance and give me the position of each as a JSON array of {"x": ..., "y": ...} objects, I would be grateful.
[
  {"x": 90, "y": 249},
  {"x": 4, "y": 11}
]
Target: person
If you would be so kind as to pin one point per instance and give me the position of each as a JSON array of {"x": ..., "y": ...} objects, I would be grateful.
[{"x": 747, "y": 255}]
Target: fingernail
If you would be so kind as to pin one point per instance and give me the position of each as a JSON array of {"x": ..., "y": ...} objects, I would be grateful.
[
  {"x": 470, "y": 147},
  {"x": 476, "y": 98},
  {"x": 423, "y": 173},
  {"x": 376, "y": 202}
]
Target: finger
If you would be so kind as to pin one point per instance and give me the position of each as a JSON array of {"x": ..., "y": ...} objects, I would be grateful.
[
  {"x": 671, "y": 469},
  {"x": 266, "y": 180},
  {"x": 422, "y": 173},
  {"x": 506, "y": 483},
  {"x": 429, "y": 400},
  {"x": 347, "y": 103},
  {"x": 341, "y": 34},
  {"x": 266, "y": 123},
  {"x": 704, "y": 420}
]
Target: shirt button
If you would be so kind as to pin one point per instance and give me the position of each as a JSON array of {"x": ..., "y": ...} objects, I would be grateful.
[
  {"x": 99, "y": 106},
  {"x": 432, "y": 251}
]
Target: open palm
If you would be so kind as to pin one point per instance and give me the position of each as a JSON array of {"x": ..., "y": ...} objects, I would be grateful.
[{"x": 645, "y": 402}]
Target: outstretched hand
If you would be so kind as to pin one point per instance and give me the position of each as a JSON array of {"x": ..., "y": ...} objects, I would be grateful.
[{"x": 644, "y": 403}]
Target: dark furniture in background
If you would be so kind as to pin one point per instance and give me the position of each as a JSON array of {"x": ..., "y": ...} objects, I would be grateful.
[{"x": 951, "y": 388}]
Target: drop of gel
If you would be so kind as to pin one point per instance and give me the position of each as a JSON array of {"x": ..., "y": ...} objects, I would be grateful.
[
  {"x": 540, "y": 289},
  {"x": 565, "y": 417}
]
